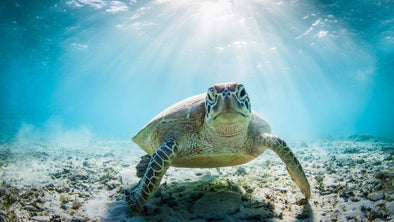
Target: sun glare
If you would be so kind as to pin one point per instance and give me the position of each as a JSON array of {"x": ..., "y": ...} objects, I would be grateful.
[{"x": 290, "y": 53}]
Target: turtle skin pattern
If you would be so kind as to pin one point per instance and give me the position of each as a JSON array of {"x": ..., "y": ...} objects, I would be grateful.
[{"x": 158, "y": 165}]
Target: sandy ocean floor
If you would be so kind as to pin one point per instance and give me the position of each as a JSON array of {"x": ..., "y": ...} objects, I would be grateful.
[{"x": 352, "y": 179}]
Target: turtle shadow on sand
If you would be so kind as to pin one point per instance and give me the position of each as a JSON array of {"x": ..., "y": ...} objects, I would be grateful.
[{"x": 215, "y": 200}]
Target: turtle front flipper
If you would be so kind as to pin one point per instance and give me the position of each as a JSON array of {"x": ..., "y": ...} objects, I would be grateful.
[
  {"x": 279, "y": 146},
  {"x": 146, "y": 187}
]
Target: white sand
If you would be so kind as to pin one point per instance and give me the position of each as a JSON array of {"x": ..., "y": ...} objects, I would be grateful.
[{"x": 351, "y": 179}]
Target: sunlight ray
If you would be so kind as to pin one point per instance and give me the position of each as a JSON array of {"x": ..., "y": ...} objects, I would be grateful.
[{"x": 288, "y": 53}]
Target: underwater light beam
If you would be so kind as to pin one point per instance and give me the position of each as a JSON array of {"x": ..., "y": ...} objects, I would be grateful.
[{"x": 296, "y": 59}]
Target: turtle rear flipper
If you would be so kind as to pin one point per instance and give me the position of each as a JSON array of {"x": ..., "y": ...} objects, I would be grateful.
[{"x": 142, "y": 165}]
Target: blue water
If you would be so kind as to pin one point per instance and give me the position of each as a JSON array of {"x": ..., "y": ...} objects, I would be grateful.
[{"x": 311, "y": 68}]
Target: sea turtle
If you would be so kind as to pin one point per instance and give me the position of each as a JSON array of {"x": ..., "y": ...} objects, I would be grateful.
[{"x": 210, "y": 130}]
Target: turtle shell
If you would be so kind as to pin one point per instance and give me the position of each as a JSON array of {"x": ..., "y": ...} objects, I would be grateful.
[{"x": 184, "y": 117}]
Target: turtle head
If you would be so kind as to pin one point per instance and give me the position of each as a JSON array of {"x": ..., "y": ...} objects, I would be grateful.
[{"x": 227, "y": 109}]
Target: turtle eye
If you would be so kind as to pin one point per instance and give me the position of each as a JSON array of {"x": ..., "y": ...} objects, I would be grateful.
[
  {"x": 241, "y": 92},
  {"x": 211, "y": 95}
]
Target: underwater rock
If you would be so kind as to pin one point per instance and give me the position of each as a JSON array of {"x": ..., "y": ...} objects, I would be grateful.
[
  {"x": 215, "y": 206},
  {"x": 104, "y": 178},
  {"x": 375, "y": 196},
  {"x": 112, "y": 184},
  {"x": 41, "y": 218},
  {"x": 390, "y": 208},
  {"x": 373, "y": 212},
  {"x": 79, "y": 176},
  {"x": 384, "y": 175},
  {"x": 208, "y": 177},
  {"x": 88, "y": 164},
  {"x": 241, "y": 171},
  {"x": 389, "y": 196}
]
